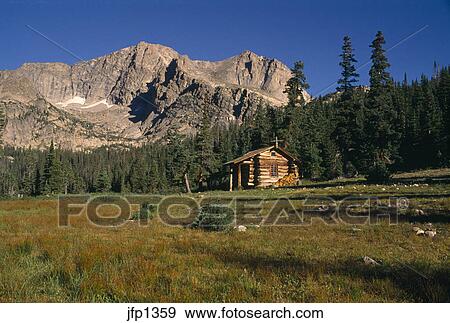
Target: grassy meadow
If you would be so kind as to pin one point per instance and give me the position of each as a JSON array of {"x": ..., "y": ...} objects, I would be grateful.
[{"x": 41, "y": 262}]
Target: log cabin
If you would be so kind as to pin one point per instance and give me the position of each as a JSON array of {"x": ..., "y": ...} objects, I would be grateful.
[{"x": 264, "y": 167}]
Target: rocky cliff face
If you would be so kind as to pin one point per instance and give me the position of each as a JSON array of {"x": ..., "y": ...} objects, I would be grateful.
[
  {"x": 2, "y": 124},
  {"x": 133, "y": 95}
]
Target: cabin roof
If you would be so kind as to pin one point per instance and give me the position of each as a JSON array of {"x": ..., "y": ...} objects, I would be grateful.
[{"x": 253, "y": 153}]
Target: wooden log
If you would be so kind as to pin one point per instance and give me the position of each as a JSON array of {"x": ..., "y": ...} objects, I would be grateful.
[
  {"x": 188, "y": 186},
  {"x": 271, "y": 160},
  {"x": 268, "y": 166},
  {"x": 231, "y": 178},
  {"x": 239, "y": 176},
  {"x": 262, "y": 176},
  {"x": 269, "y": 182}
]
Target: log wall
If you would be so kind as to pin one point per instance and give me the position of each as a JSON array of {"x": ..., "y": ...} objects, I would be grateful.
[
  {"x": 260, "y": 170},
  {"x": 263, "y": 169}
]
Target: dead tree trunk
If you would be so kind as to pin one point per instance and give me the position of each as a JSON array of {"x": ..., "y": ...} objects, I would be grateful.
[{"x": 188, "y": 187}]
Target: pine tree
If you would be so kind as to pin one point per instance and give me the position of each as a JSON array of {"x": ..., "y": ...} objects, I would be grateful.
[
  {"x": 349, "y": 77},
  {"x": 292, "y": 122},
  {"x": 381, "y": 133},
  {"x": 380, "y": 79},
  {"x": 53, "y": 176},
  {"x": 138, "y": 175},
  {"x": 331, "y": 159},
  {"x": 348, "y": 120},
  {"x": 245, "y": 137},
  {"x": 275, "y": 117},
  {"x": 443, "y": 95},
  {"x": 2, "y": 126},
  {"x": 296, "y": 85},
  {"x": 431, "y": 131},
  {"x": 400, "y": 100},
  {"x": 262, "y": 128},
  {"x": 204, "y": 148},
  {"x": 179, "y": 162},
  {"x": 310, "y": 130},
  {"x": 118, "y": 180},
  {"x": 155, "y": 178},
  {"x": 37, "y": 183},
  {"x": 228, "y": 141},
  {"x": 103, "y": 182},
  {"x": 9, "y": 183}
]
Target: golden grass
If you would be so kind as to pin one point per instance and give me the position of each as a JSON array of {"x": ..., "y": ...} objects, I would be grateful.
[
  {"x": 440, "y": 172},
  {"x": 40, "y": 262}
]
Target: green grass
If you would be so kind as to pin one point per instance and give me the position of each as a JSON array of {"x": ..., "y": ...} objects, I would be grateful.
[{"x": 40, "y": 262}]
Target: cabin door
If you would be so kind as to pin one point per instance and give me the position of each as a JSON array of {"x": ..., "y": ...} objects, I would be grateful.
[{"x": 245, "y": 176}]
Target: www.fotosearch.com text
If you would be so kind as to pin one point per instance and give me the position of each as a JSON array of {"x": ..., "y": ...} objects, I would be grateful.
[{"x": 158, "y": 312}]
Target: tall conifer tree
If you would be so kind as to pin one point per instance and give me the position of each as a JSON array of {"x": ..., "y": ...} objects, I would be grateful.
[
  {"x": 349, "y": 76},
  {"x": 53, "y": 176},
  {"x": 296, "y": 85},
  {"x": 261, "y": 129},
  {"x": 350, "y": 108},
  {"x": 2, "y": 126},
  {"x": 103, "y": 182},
  {"x": 381, "y": 122},
  {"x": 204, "y": 147},
  {"x": 295, "y": 88}
]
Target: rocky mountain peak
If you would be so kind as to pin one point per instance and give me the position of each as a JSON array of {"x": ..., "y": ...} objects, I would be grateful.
[
  {"x": 141, "y": 91},
  {"x": 249, "y": 55}
]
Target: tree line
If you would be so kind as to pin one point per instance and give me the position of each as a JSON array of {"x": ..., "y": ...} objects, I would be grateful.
[{"x": 372, "y": 131}]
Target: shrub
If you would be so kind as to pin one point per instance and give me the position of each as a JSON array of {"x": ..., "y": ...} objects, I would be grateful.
[
  {"x": 146, "y": 212},
  {"x": 214, "y": 218},
  {"x": 351, "y": 171},
  {"x": 379, "y": 173}
]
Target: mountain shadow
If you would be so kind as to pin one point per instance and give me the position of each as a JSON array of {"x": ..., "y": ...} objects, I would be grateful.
[{"x": 144, "y": 104}]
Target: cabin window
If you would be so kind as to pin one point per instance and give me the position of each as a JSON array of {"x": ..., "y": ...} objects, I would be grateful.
[
  {"x": 274, "y": 170},
  {"x": 273, "y": 154}
]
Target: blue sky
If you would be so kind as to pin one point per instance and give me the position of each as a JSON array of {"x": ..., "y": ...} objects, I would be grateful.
[{"x": 216, "y": 29}]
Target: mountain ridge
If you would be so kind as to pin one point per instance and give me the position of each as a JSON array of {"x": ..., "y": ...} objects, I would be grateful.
[{"x": 141, "y": 91}]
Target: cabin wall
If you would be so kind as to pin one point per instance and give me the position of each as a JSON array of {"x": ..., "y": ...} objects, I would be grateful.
[
  {"x": 240, "y": 176},
  {"x": 264, "y": 163},
  {"x": 259, "y": 172},
  {"x": 251, "y": 177}
]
